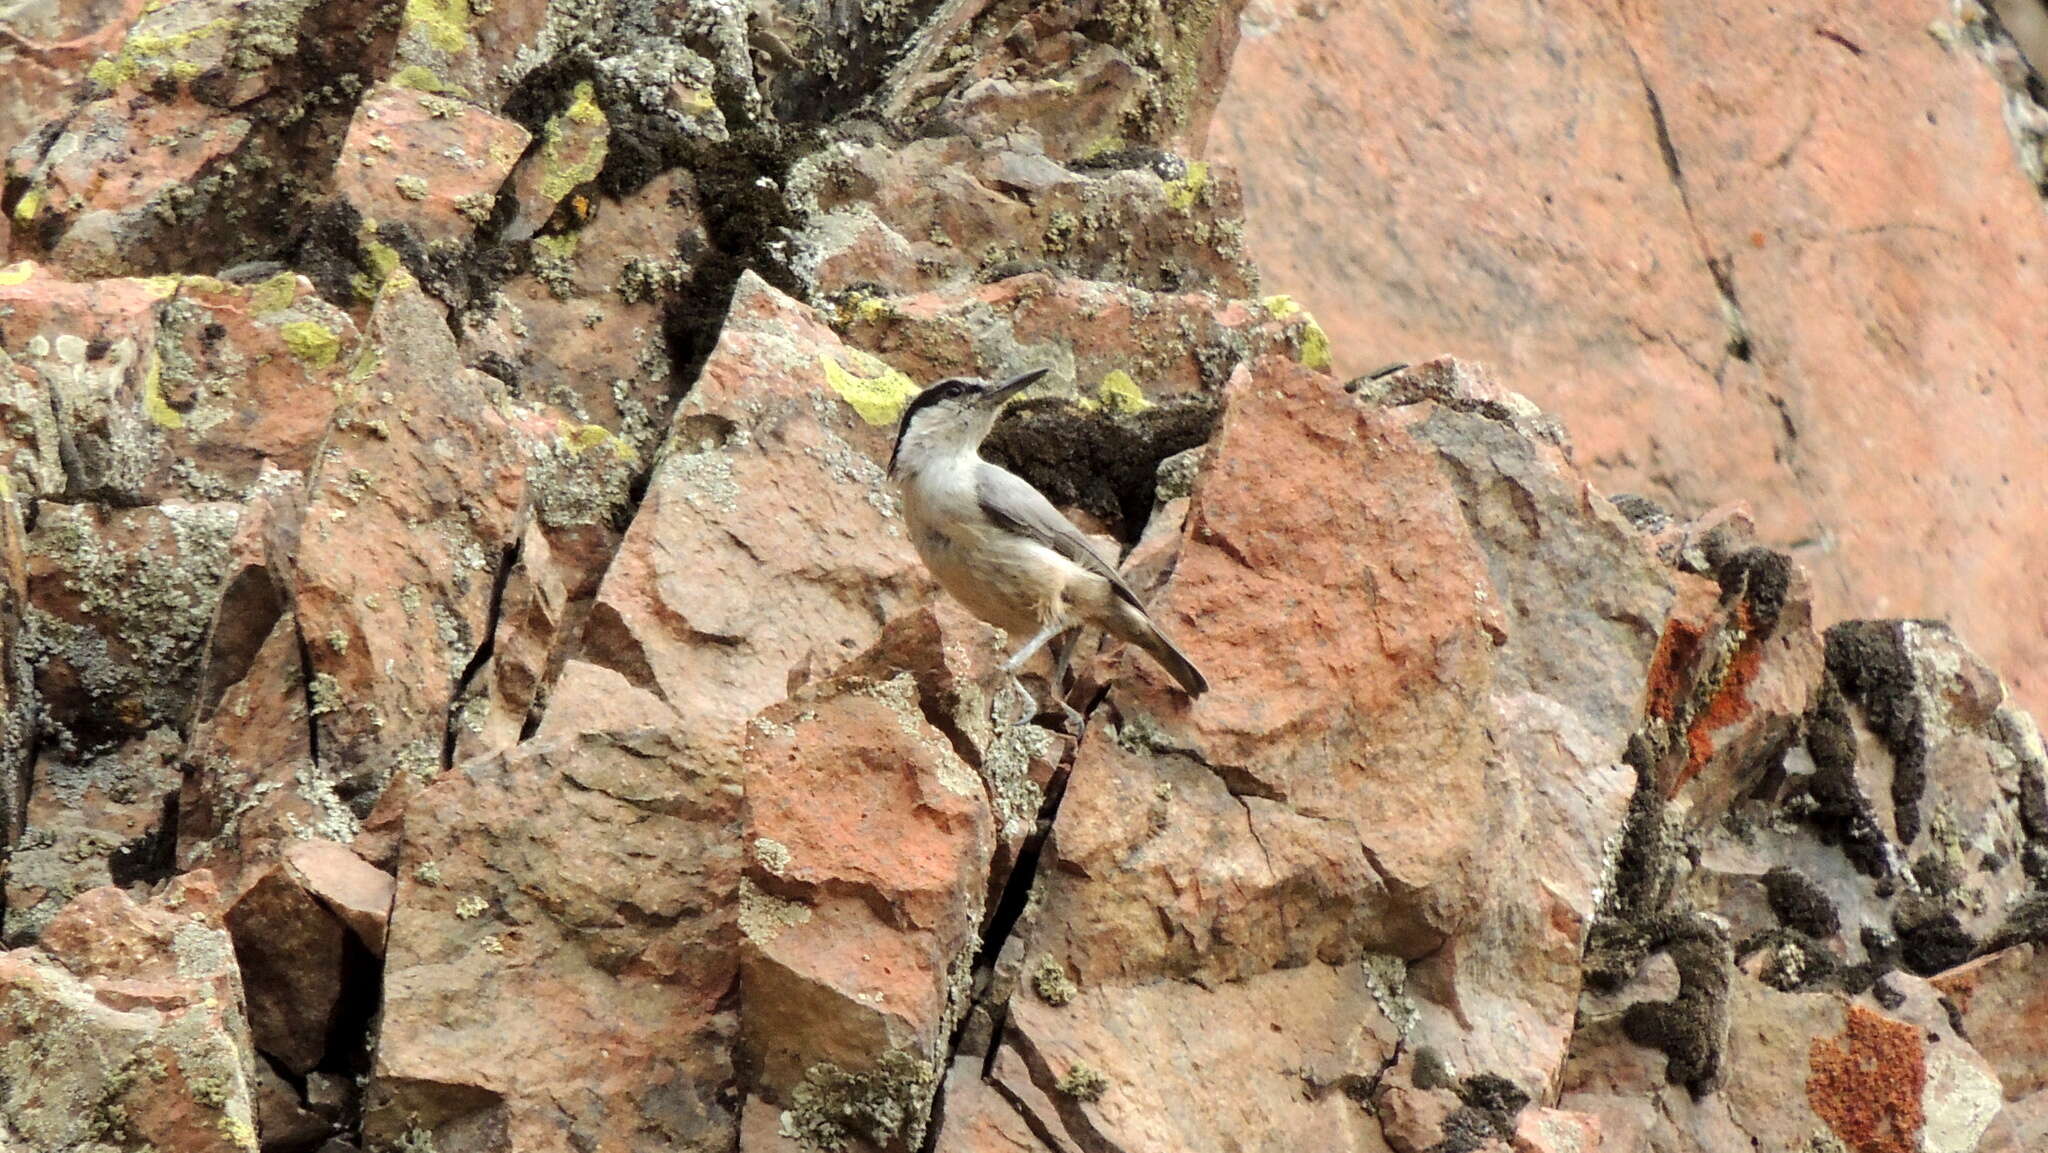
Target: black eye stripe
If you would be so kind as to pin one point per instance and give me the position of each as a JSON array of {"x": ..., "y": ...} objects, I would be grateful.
[{"x": 944, "y": 390}]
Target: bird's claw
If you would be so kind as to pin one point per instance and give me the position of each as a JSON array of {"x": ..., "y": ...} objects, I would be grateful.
[{"x": 1030, "y": 703}]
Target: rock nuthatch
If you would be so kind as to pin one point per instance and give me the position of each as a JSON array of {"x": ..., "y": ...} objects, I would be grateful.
[{"x": 999, "y": 546}]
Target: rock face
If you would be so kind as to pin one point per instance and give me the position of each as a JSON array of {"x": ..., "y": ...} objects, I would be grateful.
[
  {"x": 465, "y": 684},
  {"x": 1634, "y": 213}
]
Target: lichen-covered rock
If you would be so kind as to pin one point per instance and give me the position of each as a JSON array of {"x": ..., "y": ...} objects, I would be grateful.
[
  {"x": 771, "y": 482},
  {"x": 565, "y": 942},
  {"x": 426, "y": 162},
  {"x": 860, "y": 920},
  {"x": 416, "y": 503},
  {"x": 137, "y": 390},
  {"x": 939, "y": 212},
  {"x": 92, "y": 819},
  {"x": 124, "y": 1028}
]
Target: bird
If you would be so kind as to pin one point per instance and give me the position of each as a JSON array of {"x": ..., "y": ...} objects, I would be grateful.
[{"x": 1000, "y": 547}]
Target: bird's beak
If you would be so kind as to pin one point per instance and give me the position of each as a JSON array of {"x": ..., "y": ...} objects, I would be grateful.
[{"x": 1015, "y": 385}]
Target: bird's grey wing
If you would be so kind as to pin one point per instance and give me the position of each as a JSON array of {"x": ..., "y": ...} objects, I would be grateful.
[{"x": 1011, "y": 502}]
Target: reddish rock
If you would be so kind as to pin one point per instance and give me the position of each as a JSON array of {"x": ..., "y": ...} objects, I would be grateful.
[
  {"x": 1695, "y": 196},
  {"x": 1557, "y": 1131},
  {"x": 351, "y": 888},
  {"x": 585, "y": 331},
  {"x": 289, "y": 948},
  {"x": 54, "y": 46},
  {"x": 1107, "y": 343},
  {"x": 1092, "y": 78},
  {"x": 940, "y": 212},
  {"x": 426, "y": 162},
  {"x": 126, "y": 1022},
  {"x": 416, "y": 502},
  {"x": 2002, "y": 1000},
  {"x": 1139, "y": 1067},
  {"x": 861, "y": 919},
  {"x": 165, "y": 388},
  {"x": 773, "y": 485},
  {"x": 565, "y": 941}
]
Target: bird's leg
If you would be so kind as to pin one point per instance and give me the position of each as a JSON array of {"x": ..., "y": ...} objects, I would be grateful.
[
  {"x": 1024, "y": 654},
  {"x": 1062, "y": 657}
]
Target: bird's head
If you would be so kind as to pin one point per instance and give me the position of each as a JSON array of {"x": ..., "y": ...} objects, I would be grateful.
[{"x": 953, "y": 416}]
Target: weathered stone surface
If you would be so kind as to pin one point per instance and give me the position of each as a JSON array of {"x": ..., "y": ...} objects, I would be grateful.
[
  {"x": 120, "y": 601},
  {"x": 136, "y": 390},
  {"x": 1650, "y": 218},
  {"x": 351, "y": 888},
  {"x": 52, "y": 45},
  {"x": 771, "y": 485},
  {"x": 2001, "y": 1000},
  {"x": 425, "y": 162},
  {"x": 861, "y": 920},
  {"x": 289, "y": 948},
  {"x": 565, "y": 941},
  {"x": 124, "y": 1027},
  {"x": 410, "y": 516},
  {"x": 91, "y": 820},
  {"x": 937, "y": 213},
  {"x": 1137, "y": 1067}
]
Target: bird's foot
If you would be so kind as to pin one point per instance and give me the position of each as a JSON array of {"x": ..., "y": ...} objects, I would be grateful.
[{"x": 1013, "y": 689}]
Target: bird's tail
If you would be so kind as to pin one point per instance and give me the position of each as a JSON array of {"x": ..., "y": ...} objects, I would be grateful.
[{"x": 1131, "y": 624}]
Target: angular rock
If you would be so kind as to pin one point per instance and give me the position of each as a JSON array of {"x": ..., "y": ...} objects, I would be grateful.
[
  {"x": 91, "y": 821},
  {"x": 939, "y": 213},
  {"x": 351, "y": 888},
  {"x": 139, "y": 390},
  {"x": 861, "y": 919},
  {"x": 1644, "y": 263},
  {"x": 426, "y": 162},
  {"x": 2000, "y": 1000},
  {"x": 1135, "y": 1067},
  {"x": 565, "y": 941},
  {"x": 289, "y": 948},
  {"x": 772, "y": 484},
  {"x": 125, "y": 1024},
  {"x": 406, "y": 525}
]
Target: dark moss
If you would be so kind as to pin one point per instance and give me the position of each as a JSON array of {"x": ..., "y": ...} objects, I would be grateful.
[
  {"x": 1641, "y": 511},
  {"x": 1687, "y": 1029},
  {"x": 328, "y": 250},
  {"x": 1955, "y": 1020},
  {"x": 1104, "y": 462},
  {"x": 1869, "y": 662},
  {"x": 1887, "y": 996},
  {"x": 1832, "y": 801},
  {"x": 1496, "y": 1098},
  {"x": 1162, "y": 163},
  {"x": 2026, "y": 924},
  {"x": 1938, "y": 875},
  {"x": 1466, "y": 1130},
  {"x": 1760, "y": 578},
  {"x": 1931, "y": 938},
  {"x": 1800, "y": 904},
  {"x": 1796, "y": 962},
  {"x": 1431, "y": 1070}
]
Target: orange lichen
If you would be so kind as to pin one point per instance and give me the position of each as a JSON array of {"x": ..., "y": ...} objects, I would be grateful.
[{"x": 1866, "y": 1085}]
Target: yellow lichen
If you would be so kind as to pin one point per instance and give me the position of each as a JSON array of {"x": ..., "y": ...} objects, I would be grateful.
[
  {"x": 28, "y": 206},
  {"x": 877, "y": 392},
  {"x": 275, "y": 294},
  {"x": 17, "y": 273},
  {"x": 418, "y": 78},
  {"x": 1182, "y": 194},
  {"x": 315, "y": 344},
  {"x": 162, "y": 287},
  {"x": 561, "y": 174},
  {"x": 1315, "y": 347},
  {"x": 1280, "y": 307},
  {"x": 154, "y": 405},
  {"x": 444, "y": 23},
  {"x": 1119, "y": 393},
  {"x": 585, "y": 437}
]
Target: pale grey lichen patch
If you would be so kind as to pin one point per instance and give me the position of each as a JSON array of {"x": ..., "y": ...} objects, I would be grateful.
[
  {"x": 832, "y": 1107},
  {"x": 773, "y": 855},
  {"x": 201, "y": 951},
  {"x": 704, "y": 479},
  {"x": 900, "y": 694},
  {"x": 1386, "y": 977},
  {"x": 1006, "y": 765},
  {"x": 1050, "y": 981},
  {"x": 763, "y": 917}
]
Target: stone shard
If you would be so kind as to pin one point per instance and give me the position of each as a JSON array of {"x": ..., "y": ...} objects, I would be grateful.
[
  {"x": 564, "y": 945},
  {"x": 125, "y": 1024}
]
